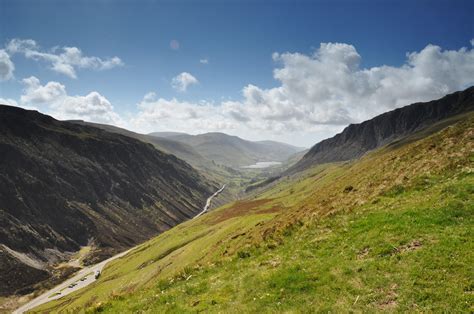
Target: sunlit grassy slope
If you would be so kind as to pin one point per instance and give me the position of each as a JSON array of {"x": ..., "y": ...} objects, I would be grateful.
[{"x": 391, "y": 231}]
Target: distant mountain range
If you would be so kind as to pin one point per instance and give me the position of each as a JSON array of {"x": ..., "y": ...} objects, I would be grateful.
[
  {"x": 357, "y": 139},
  {"x": 64, "y": 185},
  {"x": 232, "y": 150}
]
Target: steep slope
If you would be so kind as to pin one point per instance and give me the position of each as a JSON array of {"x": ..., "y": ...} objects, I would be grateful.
[
  {"x": 357, "y": 139},
  {"x": 63, "y": 186},
  {"x": 181, "y": 150},
  {"x": 232, "y": 150},
  {"x": 388, "y": 232},
  {"x": 220, "y": 174}
]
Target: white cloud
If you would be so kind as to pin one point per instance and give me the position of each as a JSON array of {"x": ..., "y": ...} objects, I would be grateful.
[
  {"x": 204, "y": 61},
  {"x": 182, "y": 81},
  {"x": 6, "y": 66},
  {"x": 9, "y": 102},
  {"x": 35, "y": 93},
  {"x": 329, "y": 87},
  {"x": 91, "y": 107},
  {"x": 53, "y": 99},
  {"x": 150, "y": 96},
  {"x": 66, "y": 62},
  {"x": 163, "y": 114}
]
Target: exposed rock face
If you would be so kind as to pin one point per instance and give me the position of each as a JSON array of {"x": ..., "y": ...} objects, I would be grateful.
[
  {"x": 16, "y": 274},
  {"x": 64, "y": 184},
  {"x": 357, "y": 139}
]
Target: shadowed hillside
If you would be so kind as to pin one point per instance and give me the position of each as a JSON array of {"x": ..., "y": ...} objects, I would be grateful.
[
  {"x": 180, "y": 150},
  {"x": 63, "y": 186}
]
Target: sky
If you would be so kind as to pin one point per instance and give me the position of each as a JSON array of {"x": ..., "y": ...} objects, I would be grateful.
[{"x": 292, "y": 71}]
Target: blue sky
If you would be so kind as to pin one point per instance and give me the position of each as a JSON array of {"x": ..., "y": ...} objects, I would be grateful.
[{"x": 237, "y": 38}]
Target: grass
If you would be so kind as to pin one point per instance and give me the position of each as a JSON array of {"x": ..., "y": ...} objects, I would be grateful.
[
  {"x": 411, "y": 252},
  {"x": 399, "y": 239}
]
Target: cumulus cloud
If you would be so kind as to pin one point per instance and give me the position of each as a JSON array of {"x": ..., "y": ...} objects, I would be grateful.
[
  {"x": 66, "y": 61},
  {"x": 182, "y": 81},
  {"x": 6, "y": 66},
  {"x": 35, "y": 93},
  {"x": 175, "y": 115},
  {"x": 204, "y": 61},
  {"x": 328, "y": 87},
  {"x": 53, "y": 99},
  {"x": 320, "y": 93}
]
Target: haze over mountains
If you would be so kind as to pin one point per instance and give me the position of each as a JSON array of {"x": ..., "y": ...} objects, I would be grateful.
[{"x": 232, "y": 150}]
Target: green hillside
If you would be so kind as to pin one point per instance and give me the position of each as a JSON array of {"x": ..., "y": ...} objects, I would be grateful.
[{"x": 391, "y": 231}]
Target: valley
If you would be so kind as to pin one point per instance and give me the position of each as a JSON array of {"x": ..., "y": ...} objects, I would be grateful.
[
  {"x": 368, "y": 233},
  {"x": 111, "y": 204},
  {"x": 87, "y": 275},
  {"x": 236, "y": 156},
  {"x": 344, "y": 230}
]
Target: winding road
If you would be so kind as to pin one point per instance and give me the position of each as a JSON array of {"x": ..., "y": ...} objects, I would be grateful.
[
  {"x": 208, "y": 202},
  {"x": 86, "y": 276},
  {"x": 83, "y": 278}
]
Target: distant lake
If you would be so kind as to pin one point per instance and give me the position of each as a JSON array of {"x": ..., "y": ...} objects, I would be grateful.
[{"x": 263, "y": 164}]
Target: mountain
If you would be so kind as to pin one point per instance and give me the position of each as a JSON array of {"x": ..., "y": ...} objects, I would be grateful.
[
  {"x": 357, "y": 139},
  {"x": 388, "y": 232},
  {"x": 232, "y": 150},
  {"x": 181, "y": 150},
  {"x": 64, "y": 186},
  {"x": 212, "y": 171}
]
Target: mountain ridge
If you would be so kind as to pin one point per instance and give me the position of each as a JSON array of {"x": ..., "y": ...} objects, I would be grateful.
[{"x": 357, "y": 139}]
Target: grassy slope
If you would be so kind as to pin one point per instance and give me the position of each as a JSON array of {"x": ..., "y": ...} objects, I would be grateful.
[{"x": 392, "y": 231}]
